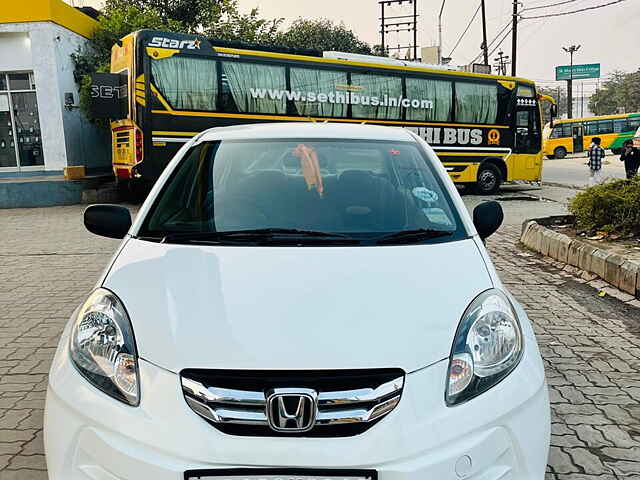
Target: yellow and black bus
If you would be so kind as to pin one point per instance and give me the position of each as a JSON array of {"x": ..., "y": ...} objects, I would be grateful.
[
  {"x": 485, "y": 128},
  {"x": 574, "y": 135}
]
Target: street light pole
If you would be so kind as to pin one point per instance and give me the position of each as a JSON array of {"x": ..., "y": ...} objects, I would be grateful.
[
  {"x": 514, "y": 38},
  {"x": 570, "y": 50},
  {"x": 485, "y": 48},
  {"x": 440, "y": 33}
]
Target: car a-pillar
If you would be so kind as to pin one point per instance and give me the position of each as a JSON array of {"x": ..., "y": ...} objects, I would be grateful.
[{"x": 491, "y": 174}]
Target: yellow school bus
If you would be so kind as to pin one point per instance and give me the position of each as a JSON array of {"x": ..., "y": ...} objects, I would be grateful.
[{"x": 574, "y": 135}]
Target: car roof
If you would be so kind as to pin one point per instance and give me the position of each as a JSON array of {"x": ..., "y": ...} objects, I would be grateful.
[{"x": 306, "y": 130}]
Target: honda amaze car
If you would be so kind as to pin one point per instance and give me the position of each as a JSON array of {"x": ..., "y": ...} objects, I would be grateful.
[{"x": 298, "y": 302}]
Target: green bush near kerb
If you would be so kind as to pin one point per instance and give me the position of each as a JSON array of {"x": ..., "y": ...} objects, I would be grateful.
[{"x": 612, "y": 207}]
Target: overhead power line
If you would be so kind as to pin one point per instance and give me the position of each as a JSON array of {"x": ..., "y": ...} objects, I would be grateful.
[
  {"x": 502, "y": 30},
  {"x": 574, "y": 11},
  {"x": 550, "y": 5},
  {"x": 465, "y": 31}
]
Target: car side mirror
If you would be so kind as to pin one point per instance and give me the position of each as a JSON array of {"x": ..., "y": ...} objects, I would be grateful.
[
  {"x": 111, "y": 221},
  {"x": 487, "y": 218}
]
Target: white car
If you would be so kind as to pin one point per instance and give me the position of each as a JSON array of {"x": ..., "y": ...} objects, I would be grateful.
[{"x": 299, "y": 302}]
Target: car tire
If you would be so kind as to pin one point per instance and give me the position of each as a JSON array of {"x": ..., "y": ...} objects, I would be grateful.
[
  {"x": 489, "y": 179},
  {"x": 560, "y": 153}
]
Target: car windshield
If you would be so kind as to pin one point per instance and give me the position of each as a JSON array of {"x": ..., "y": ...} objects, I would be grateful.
[{"x": 303, "y": 192}]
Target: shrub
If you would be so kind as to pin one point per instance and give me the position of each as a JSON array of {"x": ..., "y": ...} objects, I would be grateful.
[{"x": 613, "y": 207}]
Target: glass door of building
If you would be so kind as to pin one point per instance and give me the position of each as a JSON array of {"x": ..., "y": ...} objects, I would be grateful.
[{"x": 20, "y": 136}]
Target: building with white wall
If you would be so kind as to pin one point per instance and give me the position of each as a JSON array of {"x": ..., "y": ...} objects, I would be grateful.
[{"x": 41, "y": 127}]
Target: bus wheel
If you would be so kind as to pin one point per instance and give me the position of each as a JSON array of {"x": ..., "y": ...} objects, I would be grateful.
[
  {"x": 616, "y": 151},
  {"x": 551, "y": 157},
  {"x": 489, "y": 179},
  {"x": 560, "y": 153}
]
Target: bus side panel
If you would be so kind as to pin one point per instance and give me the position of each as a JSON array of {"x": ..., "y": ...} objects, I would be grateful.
[
  {"x": 525, "y": 166},
  {"x": 551, "y": 144}
]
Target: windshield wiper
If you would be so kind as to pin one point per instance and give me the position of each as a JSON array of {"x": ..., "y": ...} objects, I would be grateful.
[
  {"x": 411, "y": 236},
  {"x": 254, "y": 236}
]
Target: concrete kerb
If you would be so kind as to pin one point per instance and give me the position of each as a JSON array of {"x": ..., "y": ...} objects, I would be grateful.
[{"x": 614, "y": 269}]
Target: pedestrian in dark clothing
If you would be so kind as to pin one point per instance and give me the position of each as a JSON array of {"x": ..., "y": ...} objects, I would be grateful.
[
  {"x": 596, "y": 155},
  {"x": 631, "y": 158}
]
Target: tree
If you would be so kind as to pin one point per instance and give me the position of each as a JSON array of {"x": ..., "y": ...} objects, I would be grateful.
[
  {"x": 192, "y": 14},
  {"x": 620, "y": 92},
  {"x": 227, "y": 23},
  {"x": 322, "y": 35}
]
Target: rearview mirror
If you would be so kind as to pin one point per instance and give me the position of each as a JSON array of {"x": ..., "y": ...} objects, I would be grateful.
[
  {"x": 111, "y": 221},
  {"x": 487, "y": 218},
  {"x": 553, "y": 113}
]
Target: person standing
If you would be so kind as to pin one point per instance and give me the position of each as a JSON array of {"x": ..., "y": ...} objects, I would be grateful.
[
  {"x": 631, "y": 158},
  {"x": 596, "y": 155}
]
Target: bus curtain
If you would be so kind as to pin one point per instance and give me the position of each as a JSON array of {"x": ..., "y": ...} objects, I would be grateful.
[
  {"x": 438, "y": 91},
  {"x": 186, "y": 82},
  {"x": 242, "y": 77},
  {"x": 476, "y": 103}
]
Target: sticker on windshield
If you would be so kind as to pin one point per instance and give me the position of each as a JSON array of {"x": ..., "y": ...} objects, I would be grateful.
[
  {"x": 425, "y": 194},
  {"x": 437, "y": 215}
]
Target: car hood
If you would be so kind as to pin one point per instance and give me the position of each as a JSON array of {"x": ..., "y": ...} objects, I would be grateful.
[{"x": 224, "y": 307}]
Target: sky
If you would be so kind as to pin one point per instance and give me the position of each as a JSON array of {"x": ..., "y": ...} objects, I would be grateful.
[{"x": 609, "y": 36}]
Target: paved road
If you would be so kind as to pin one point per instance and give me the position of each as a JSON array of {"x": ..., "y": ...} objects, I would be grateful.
[
  {"x": 573, "y": 171},
  {"x": 591, "y": 345}
]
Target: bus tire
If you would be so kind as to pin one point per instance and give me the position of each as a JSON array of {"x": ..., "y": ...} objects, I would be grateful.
[
  {"x": 616, "y": 151},
  {"x": 551, "y": 157},
  {"x": 560, "y": 153},
  {"x": 489, "y": 179}
]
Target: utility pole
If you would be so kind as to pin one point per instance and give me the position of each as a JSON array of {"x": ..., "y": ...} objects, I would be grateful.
[
  {"x": 514, "y": 38},
  {"x": 485, "y": 47},
  {"x": 440, "y": 33},
  {"x": 570, "y": 50},
  {"x": 407, "y": 22},
  {"x": 502, "y": 60}
]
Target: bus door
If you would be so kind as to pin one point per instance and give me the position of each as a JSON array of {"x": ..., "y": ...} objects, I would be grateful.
[{"x": 578, "y": 135}]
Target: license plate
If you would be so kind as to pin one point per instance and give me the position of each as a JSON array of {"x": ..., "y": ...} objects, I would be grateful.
[{"x": 280, "y": 474}]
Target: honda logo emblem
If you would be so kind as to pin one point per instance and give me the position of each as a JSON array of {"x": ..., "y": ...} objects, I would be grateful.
[{"x": 292, "y": 410}]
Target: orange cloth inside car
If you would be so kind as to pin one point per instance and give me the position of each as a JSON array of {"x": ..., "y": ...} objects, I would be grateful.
[{"x": 310, "y": 167}]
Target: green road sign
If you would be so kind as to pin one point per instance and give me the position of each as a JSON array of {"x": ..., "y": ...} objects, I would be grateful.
[{"x": 590, "y": 70}]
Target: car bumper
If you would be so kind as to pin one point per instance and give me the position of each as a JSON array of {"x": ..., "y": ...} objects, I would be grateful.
[{"x": 502, "y": 434}]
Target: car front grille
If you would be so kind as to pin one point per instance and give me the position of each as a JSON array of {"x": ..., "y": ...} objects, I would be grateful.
[{"x": 345, "y": 402}]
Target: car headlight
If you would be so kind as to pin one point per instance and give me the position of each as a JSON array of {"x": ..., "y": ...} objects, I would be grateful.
[
  {"x": 486, "y": 348},
  {"x": 103, "y": 348}
]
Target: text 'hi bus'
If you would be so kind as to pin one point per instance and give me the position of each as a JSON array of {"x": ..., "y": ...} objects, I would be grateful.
[{"x": 486, "y": 129}]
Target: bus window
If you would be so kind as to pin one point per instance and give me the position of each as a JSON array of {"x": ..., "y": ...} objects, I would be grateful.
[
  {"x": 187, "y": 83},
  {"x": 591, "y": 128},
  {"x": 559, "y": 131},
  {"x": 620, "y": 125},
  {"x": 605, "y": 126},
  {"x": 254, "y": 87},
  {"x": 438, "y": 91},
  {"x": 476, "y": 102},
  {"x": 327, "y": 82},
  {"x": 368, "y": 88},
  {"x": 524, "y": 91},
  {"x": 634, "y": 123}
]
